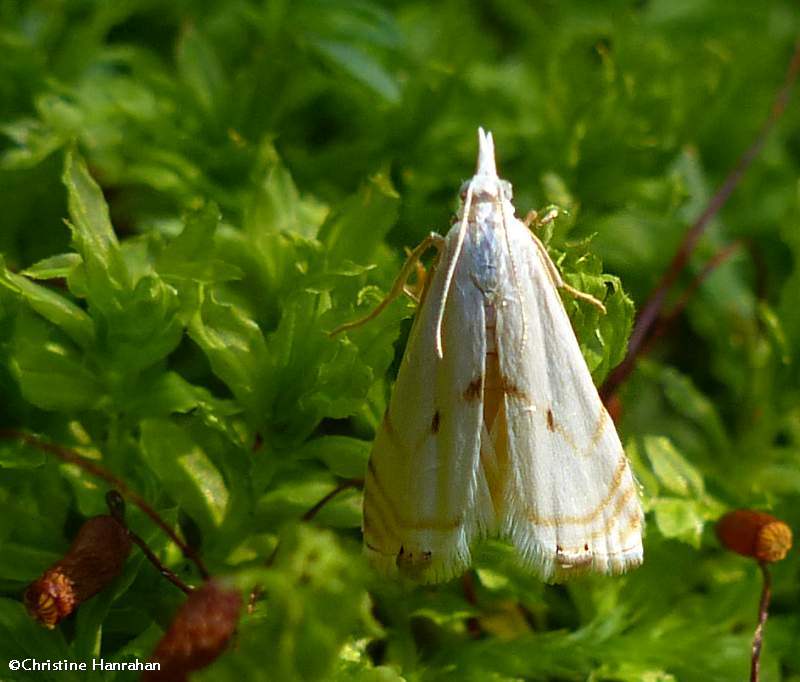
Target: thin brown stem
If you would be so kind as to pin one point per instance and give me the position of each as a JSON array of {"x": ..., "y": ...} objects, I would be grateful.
[
  {"x": 253, "y": 599},
  {"x": 257, "y": 591},
  {"x": 666, "y": 321},
  {"x": 344, "y": 485},
  {"x": 651, "y": 310},
  {"x": 167, "y": 573},
  {"x": 763, "y": 612},
  {"x": 93, "y": 468},
  {"x": 471, "y": 595},
  {"x": 116, "y": 507}
]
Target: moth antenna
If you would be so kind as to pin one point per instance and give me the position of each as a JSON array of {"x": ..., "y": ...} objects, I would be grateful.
[
  {"x": 451, "y": 268},
  {"x": 514, "y": 275},
  {"x": 486, "y": 166}
]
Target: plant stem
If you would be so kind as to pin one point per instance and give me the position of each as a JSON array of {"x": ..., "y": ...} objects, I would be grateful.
[
  {"x": 167, "y": 573},
  {"x": 763, "y": 612},
  {"x": 91, "y": 467},
  {"x": 651, "y": 310},
  {"x": 116, "y": 507},
  {"x": 667, "y": 319},
  {"x": 344, "y": 485}
]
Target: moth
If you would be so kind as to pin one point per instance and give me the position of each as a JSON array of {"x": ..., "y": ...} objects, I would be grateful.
[{"x": 494, "y": 427}]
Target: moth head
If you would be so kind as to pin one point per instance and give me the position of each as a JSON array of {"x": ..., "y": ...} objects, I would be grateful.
[{"x": 486, "y": 184}]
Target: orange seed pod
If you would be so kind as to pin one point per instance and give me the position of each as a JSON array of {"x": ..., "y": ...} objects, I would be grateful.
[
  {"x": 755, "y": 534},
  {"x": 198, "y": 634},
  {"x": 96, "y": 557}
]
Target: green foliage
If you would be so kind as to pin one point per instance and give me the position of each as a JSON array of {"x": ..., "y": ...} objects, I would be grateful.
[{"x": 240, "y": 178}]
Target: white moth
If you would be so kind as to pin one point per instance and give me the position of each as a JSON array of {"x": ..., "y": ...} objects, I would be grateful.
[{"x": 495, "y": 426}]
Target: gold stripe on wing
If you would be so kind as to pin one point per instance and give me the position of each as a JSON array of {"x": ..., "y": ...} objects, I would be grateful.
[
  {"x": 618, "y": 508},
  {"x": 375, "y": 523},
  {"x": 554, "y": 426},
  {"x": 616, "y": 482},
  {"x": 401, "y": 521},
  {"x": 602, "y": 421}
]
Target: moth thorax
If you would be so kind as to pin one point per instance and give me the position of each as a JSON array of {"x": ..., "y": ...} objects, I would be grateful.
[{"x": 492, "y": 384}]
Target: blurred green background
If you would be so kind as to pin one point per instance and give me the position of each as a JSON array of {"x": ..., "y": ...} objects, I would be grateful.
[{"x": 263, "y": 165}]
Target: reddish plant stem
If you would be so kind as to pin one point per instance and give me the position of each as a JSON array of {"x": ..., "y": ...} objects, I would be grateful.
[
  {"x": 344, "y": 485},
  {"x": 153, "y": 559},
  {"x": 257, "y": 591},
  {"x": 116, "y": 507},
  {"x": 91, "y": 467},
  {"x": 471, "y": 595},
  {"x": 763, "y": 612},
  {"x": 666, "y": 320},
  {"x": 651, "y": 310}
]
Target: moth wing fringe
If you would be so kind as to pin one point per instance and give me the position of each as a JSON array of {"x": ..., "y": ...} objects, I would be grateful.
[
  {"x": 450, "y": 563},
  {"x": 551, "y": 567}
]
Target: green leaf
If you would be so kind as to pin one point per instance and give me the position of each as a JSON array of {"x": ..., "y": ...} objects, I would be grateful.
[
  {"x": 360, "y": 65},
  {"x": 344, "y": 456},
  {"x": 200, "y": 68},
  {"x": 774, "y": 328},
  {"x": 356, "y": 227},
  {"x": 188, "y": 258},
  {"x": 145, "y": 329},
  {"x": 25, "y": 564},
  {"x": 185, "y": 471},
  {"x": 296, "y": 491},
  {"x": 93, "y": 235},
  {"x": 235, "y": 347},
  {"x": 54, "y": 267},
  {"x": 164, "y": 394},
  {"x": 52, "y": 306},
  {"x": 18, "y": 455},
  {"x": 21, "y": 637},
  {"x": 33, "y": 142},
  {"x": 687, "y": 400},
  {"x": 672, "y": 470},
  {"x": 315, "y": 591},
  {"x": 276, "y": 204},
  {"x": 603, "y": 337},
  {"x": 301, "y": 392},
  {"x": 51, "y": 373},
  {"x": 679, "y": 519}
]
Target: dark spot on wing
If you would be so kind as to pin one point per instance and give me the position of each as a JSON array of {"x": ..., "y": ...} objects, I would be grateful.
[
  {"x": 551, "y": 423},
  {"x": 475, "y": 389},
  {"x": 407, "y": 560},
  {"x": 511, "y": 389}
]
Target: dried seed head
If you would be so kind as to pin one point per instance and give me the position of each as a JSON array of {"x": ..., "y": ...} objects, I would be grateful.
[
  {"x": 755, "y": 534},
  {"x": 50, "y": 598},
  {"x": 198, "y": 634},
  {"x": 96, "y": 557}
]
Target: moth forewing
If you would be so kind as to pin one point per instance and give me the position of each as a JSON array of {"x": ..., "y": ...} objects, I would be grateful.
[
  {"x": 575, "y": 504},
  {"x": 494, "y": 426},
  {"x": 421, "y": 485}
]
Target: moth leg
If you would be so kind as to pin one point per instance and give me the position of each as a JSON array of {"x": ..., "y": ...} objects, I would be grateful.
[
  {"x": 399, "y": 286},
  {"x": 532, "y": 218},
  {"x": 555, "y": 276},
  {"x": 414, "y": 291}
]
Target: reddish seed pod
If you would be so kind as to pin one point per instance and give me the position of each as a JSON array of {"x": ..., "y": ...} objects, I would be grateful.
[
  {"x": 96, "y": 557},
  {"x": 755, "y": 534},
  {"x": 198, "y": 634}
]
